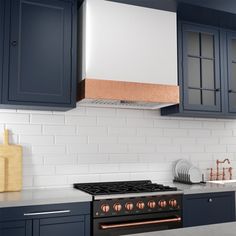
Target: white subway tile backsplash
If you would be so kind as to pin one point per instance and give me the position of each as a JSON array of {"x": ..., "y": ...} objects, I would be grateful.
[
  {"x": 36, "y": 139},
  {"x": 72, "y": 169},
  {"x": 90, "y": 144},
  {"x": 59, "y": 130},
  {"x": 71, "y": 139},
  {"x": 14, "y": 118},
  {"x": 47, "y": 149},
  {"x": 83, "y": 148},
  {"x": 113, "y": 148},
  {"x": 47, "y": 119},
  {"x": 58, "y": 159},
  {"x": 81, "y": 120},
  {"x": 111, "y": 121},
  {"x": 24, "y": 129}
]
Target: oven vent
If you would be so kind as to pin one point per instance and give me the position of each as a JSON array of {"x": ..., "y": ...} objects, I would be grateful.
[{"x": 121, "y": 104}]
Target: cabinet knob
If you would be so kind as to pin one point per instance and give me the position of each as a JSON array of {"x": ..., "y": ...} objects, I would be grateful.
[
  {"x": 210, "y": 200},
  {"x": 14, "y": 43}
]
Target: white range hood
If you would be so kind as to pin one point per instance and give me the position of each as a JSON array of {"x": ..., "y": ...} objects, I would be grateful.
[{"x": 128, "y": 56}]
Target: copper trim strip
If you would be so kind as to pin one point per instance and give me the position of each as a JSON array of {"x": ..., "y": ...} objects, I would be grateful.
[
  {"x": 127, "y": 91},
  {"x": 140, "y": 223}
]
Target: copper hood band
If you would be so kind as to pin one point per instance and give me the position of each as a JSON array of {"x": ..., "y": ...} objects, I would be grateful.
[
  {"x": 127, "y": 91},
  {"x": 139, "y": 223}
]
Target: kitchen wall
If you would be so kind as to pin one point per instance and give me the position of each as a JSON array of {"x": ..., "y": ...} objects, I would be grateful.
[{"x": 101, "y": 144}]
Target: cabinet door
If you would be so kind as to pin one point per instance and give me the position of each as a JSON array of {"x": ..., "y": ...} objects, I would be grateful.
[
  {"x": 40, "y": 53},
  {"x": 201, "y": 68},
  {"x": 16, "y": 228},
  {"x": 60, "y": 226},
  {"x": 2, "y": 8},
  {"x": 203, "y": 209},
  {"x": 231, "y": 63}
]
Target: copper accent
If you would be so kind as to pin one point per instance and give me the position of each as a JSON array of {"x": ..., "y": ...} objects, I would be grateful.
[
  {"x": 127, "y": 91},
  {"x": 140, "y": 223},
  {"x": 105, "y": 208},
  {"x": 211, "y": 173},
  {"x": 162, "y": 203},
  {"x": 215, "y": 175},
  {"x": 151, "y": 204},
  {"x": 173, "y": 203},
  {"x": 140, "y": 205},
  {"x": 218, "y": 169},
  {"x": 117, "y": 207},
  {"x": 230, "y": 172},
  {"x": 129, "y": 206}
]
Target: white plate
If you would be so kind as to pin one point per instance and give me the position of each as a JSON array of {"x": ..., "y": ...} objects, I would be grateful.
[
  {"x": 194, "y": 174},
  {"x": 180, "y": 166}
]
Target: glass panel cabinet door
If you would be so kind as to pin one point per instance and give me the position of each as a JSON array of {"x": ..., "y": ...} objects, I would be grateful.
[
  {"x": 231, "y": 52},
  {"x": 200, "y": 66}
]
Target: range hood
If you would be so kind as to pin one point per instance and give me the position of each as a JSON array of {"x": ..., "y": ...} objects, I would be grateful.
[{"x": 128, "y": 56}]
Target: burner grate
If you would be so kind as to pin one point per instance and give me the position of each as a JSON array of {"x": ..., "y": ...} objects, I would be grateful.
[{"x": 106, "y": 188}]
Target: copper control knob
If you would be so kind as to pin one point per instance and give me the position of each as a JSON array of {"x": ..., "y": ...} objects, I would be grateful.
[
  {"x": 151, "y": 204},
  {"x": 129, "y": 206},
  {"x": 162, "y": 203},
  {"x": 140, "y": 205},
  {"x": 173, "y": 203},
  {"x": 117, "y": 207},
  {"x": 105, "y": 208}
]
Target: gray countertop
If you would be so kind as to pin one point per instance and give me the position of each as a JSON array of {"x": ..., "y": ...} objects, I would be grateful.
[
  {"x": 204, "y": 188},
  {"x": 43, "y": 197},
  {"x": 226, "y": 229},
  {"x": 69, "y": 195}
]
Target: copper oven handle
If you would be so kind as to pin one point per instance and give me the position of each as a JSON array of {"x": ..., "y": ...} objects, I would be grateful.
[{"x": 148, "y": 222}]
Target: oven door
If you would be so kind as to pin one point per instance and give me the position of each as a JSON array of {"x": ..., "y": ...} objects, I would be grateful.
[{"x": 124, "y": 225}]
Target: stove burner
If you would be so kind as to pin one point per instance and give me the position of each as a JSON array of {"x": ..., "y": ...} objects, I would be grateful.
[{"x": 106, "y": 188}]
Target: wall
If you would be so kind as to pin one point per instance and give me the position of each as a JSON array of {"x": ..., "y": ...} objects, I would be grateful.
[{"x": 101, "y": 144}]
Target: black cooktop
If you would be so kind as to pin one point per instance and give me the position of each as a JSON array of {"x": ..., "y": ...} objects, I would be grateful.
[{"x": 106, "y": 188}]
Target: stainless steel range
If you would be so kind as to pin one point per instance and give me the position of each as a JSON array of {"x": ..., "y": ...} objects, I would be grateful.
[{"x": 121, "y": 208}]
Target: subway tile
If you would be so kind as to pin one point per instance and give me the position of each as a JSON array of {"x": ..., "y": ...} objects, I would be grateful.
[
  {"x": 47, "y": 119},
  {"x": 14, "y": 118},
  {"x": 59, "y": 130}
]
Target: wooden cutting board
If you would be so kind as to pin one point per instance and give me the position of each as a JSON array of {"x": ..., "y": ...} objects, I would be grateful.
[{"x": 12, "y": 155}]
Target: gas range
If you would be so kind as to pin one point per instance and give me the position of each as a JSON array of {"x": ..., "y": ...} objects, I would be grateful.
[{"x": 127, "y": 207}]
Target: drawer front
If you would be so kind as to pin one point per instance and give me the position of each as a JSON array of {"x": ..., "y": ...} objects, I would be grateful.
[
  {"x": 44, "y": 211},
  {"x": 203, "y": 209}
]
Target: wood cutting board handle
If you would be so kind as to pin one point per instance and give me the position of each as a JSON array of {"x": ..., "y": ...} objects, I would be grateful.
[{"x": 6, "y": 137}]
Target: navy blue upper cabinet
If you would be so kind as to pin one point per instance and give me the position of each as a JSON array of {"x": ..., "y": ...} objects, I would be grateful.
[
  {"x": 212, "y": 208},
  {"x": 231, "y": 69},
  {"x": 201, "y": 68},
  {"x": 207, "y": 72},
  {"x": 41, "y": 38}
]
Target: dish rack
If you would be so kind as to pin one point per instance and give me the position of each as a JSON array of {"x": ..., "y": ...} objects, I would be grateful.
[{"x": 186, "y": 181}]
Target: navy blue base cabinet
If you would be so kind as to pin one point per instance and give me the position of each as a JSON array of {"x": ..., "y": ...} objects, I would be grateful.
[
  {"x": 47, "y": 220},
  {"x": 39, "y": 64},
  {"x": 212, "y": 208}
]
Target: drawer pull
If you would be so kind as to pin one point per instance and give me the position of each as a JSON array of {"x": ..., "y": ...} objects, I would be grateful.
[
  {"x": 210, "y": 200},
  {"x": 46, "y": 213}
]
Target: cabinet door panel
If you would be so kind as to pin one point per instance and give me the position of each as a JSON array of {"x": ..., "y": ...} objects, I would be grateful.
[
  {"x": 203, "y": 209},
  {"x": 61, "y": 226},
  {"x": 2, "y": 8},
  {"x": 231, "y": 53},
  {"x": 15, "y": 228},
  {"x": 201, "y": 73},
  {"x": 40, "y": 56}
]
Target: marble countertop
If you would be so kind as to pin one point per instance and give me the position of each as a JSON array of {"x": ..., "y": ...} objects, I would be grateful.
[
  {"x": 204, "y": 188},
  {"x": 43, "y": 197},
  {"x": 69, "y": 195},
  {"x": 225, "y": 229}
]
